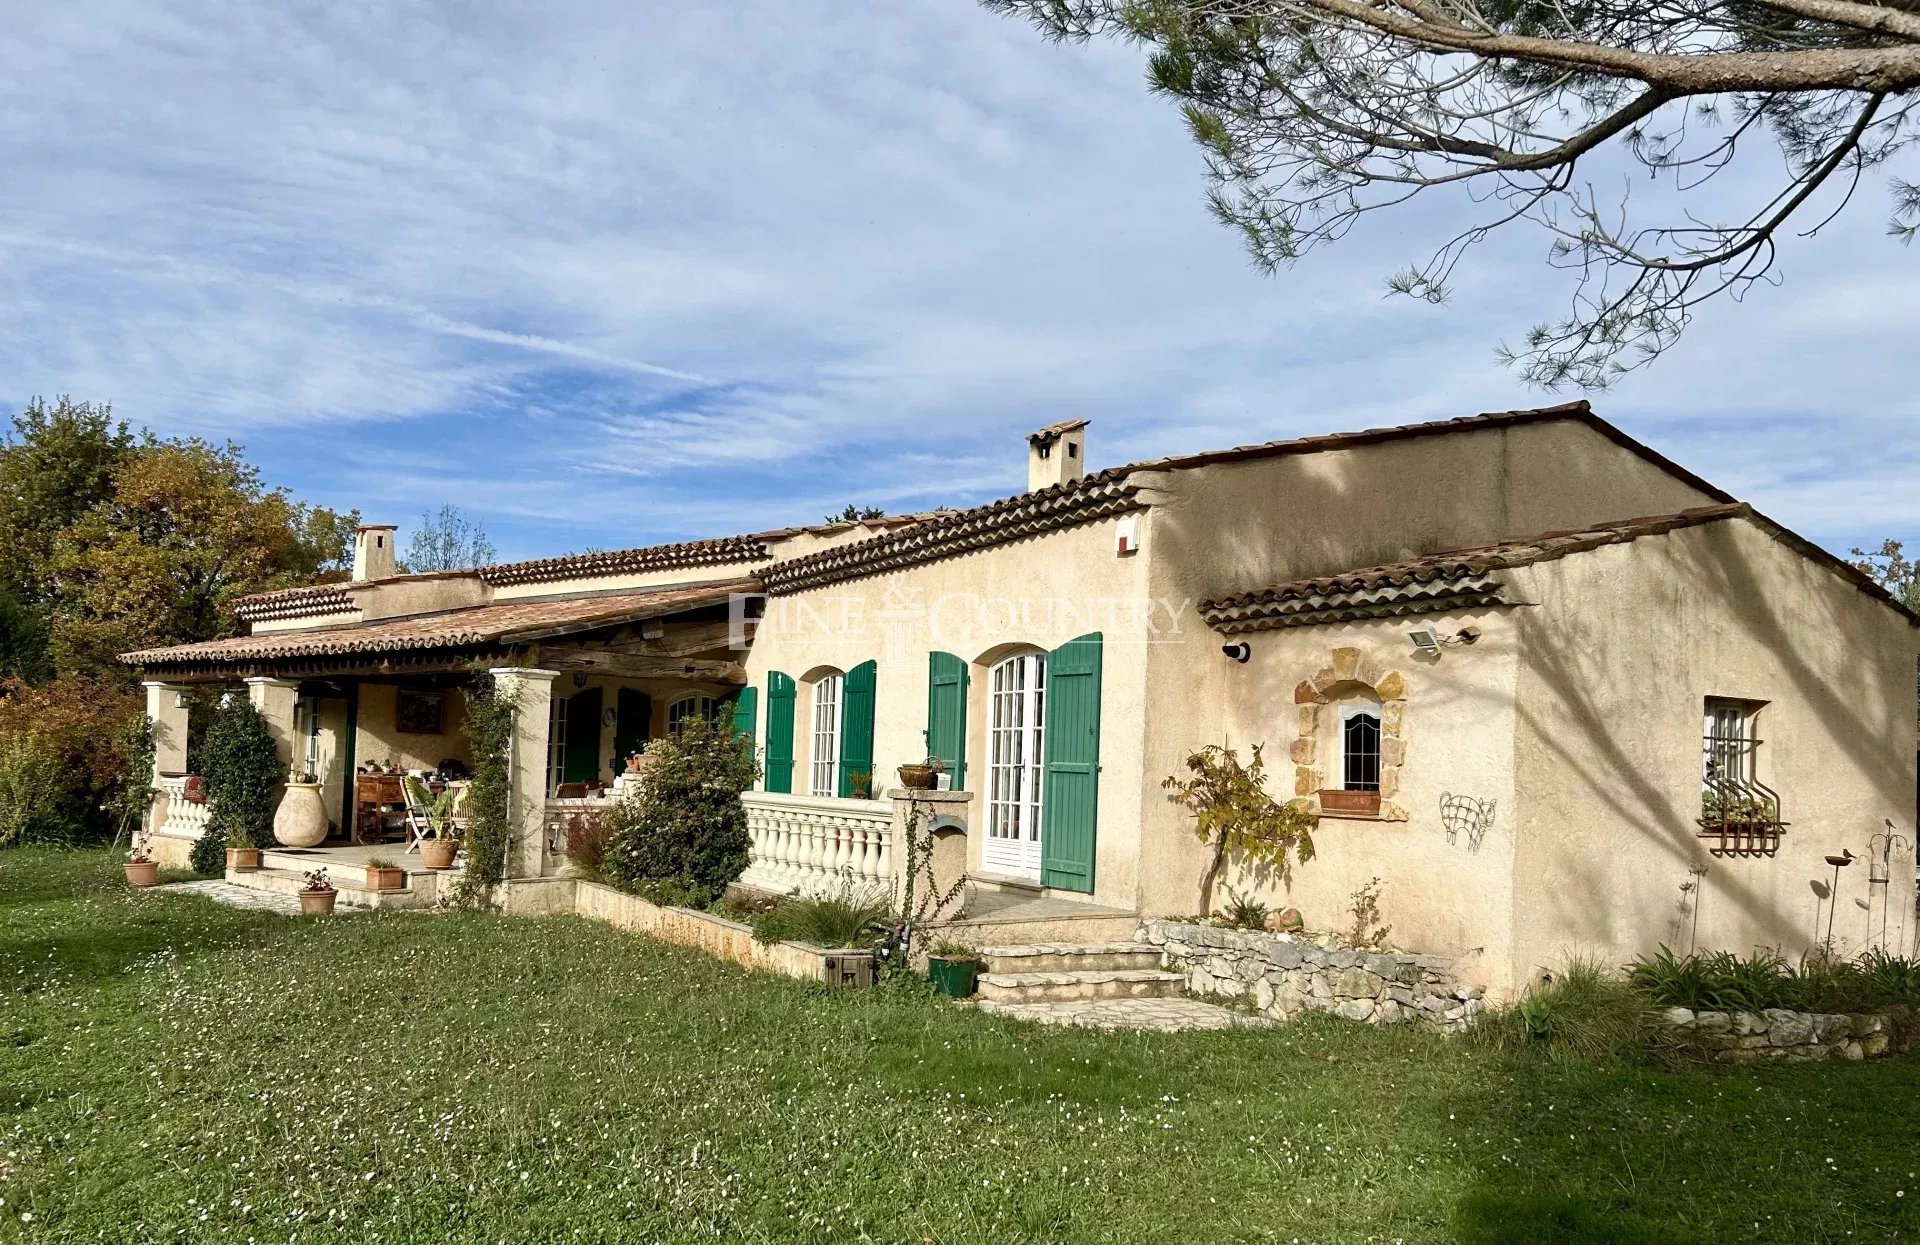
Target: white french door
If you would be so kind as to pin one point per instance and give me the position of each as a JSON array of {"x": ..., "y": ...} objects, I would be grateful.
[{"x": 1016, "y": 729}]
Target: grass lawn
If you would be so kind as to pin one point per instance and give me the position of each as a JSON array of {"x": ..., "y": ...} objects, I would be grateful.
[{"x": 175, "y": 1071}]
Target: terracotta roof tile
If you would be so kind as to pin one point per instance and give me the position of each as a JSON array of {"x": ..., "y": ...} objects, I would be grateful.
[
  {"x": 307, "y": 601},
  {"x": 498, "y": 625},
  {"x": 1467, "y": 578},
  {"x": 1106, "y": 492}
]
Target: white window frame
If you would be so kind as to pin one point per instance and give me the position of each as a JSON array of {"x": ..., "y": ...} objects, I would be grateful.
[
  {"x": 556, "y": 743},
  {"x": 823, "y": 770},
  {"x": 1348, "y": 712},
  {"x": 1016, "y": 765},
  {"x": 680, "y": 708},
  {"x": 1741, "y": 747}
]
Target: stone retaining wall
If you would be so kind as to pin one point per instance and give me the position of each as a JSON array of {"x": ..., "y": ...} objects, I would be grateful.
[
  {"x": 1286, "y": 978},
  {"x": 1804, "y": 1037}
]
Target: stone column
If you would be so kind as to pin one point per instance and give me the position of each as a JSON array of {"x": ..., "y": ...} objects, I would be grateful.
[
  {"x": 274, "y": 698},
  {"x": 167, "y": 712},
  {"x": 532, "y": 694},
  {"x": 943, "y": 818}
]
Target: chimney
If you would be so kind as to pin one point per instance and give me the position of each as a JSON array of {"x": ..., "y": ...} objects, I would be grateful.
[
  {"x": 373, "y": 551},
  {"x": 1057, "y": 454}
]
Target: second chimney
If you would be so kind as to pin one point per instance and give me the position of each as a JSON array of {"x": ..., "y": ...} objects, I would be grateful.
[
  {"x": 373, "y": 552},
  {"x": 1057, "y": 454}
]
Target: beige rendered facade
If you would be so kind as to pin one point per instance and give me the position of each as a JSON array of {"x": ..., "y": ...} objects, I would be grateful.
[{"x": 1527, "y": 784}]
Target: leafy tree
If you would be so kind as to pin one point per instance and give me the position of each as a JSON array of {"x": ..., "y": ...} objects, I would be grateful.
[
  {"x": 1234, "y": 815},
  {"x": 1314, "y": 113},
  {"x": 1892, "y": 570},
  {"x": 56, "y": 463},
  {"x": 63, "y": 755},
  {"x": 447, "y": 540},
  {"x": 188, "y": 529},
  {"x": 851, "y": 513},
  {"x": 683, "y": 837}
]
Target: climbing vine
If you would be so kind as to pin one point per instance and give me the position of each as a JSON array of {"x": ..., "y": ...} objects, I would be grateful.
[{"x": 489, "y": 732}]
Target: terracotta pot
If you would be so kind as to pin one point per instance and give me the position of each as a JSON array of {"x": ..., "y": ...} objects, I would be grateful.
[
  {"x": 381, "y": 878},
  {"x": 243, "y": 859},
  {"x": 195, "y": 790},
  {"x": 301, "y": 819},
  {"x": 919, "y": 777},
  {"x": 317, "y": 903},
  {"x": 438, "y": 853},
  {"x": 142, "y": 872}
]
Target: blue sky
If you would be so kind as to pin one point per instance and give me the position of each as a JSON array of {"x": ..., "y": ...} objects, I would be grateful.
[{"x": 610, "y": 273}]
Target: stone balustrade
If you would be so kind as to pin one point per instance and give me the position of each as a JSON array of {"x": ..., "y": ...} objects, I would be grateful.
[
  {"x": 815, "y": 845},
  {"x": 173, "y": 813}
]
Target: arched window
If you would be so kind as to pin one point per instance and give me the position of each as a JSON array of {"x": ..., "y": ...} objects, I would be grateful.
[
  {"x": 1016, "y": 750},
  {"x": 824, "y": 773},
  {"x": 678, "y": 711},
  {"x": 1360, "y": 747}
]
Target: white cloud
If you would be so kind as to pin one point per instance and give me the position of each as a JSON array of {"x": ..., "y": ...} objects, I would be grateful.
[{"x": 606, "y": 272}]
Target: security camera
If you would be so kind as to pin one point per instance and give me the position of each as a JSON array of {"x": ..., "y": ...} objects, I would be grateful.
[
  {"x": 1239, "y": 652},
  {"x": 1467, "y": 635}
]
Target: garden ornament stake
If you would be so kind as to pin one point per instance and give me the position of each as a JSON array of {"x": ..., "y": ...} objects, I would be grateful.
[
  {"x": 1882, "y": 850},
  {"x": 1845, "y": 858}
]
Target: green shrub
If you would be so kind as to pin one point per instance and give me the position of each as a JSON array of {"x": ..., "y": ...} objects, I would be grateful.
[
  {"x": 243, "y": 773},
  {"x": 1584, "y": 1013},
  {"x": 1723, "y": 982},
  {"x": 1244, "y": 913},
  {"x": 684, "y": 831},
  {"x": 37, "y": 802},
  {"x": 849, "y": 918}
]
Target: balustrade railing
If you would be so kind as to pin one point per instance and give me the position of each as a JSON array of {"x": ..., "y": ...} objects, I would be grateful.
[
  {"x": 816, "y": 844},
  {"x": 173, "y": 813}
]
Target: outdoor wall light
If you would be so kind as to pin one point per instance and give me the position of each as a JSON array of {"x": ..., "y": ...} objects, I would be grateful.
[
  {"x": 1240, "y": 652},
  {"x": 1432, "y": 641}
]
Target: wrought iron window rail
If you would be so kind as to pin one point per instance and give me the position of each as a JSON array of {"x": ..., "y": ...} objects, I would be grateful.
[{"x": 1739, "y": 814}]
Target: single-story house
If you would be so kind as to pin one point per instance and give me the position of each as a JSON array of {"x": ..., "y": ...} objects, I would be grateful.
[{"x": 1558, "y": 694}]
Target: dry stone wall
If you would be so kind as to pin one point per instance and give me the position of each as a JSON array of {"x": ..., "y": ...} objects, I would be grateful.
[
  {"x": 1285, "y": 977},
  {"x": 1804, "y": 1037}
]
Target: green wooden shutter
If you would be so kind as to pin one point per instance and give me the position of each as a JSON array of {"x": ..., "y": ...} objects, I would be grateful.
[
  {"x": 583, "y": 737},
  {"x": 746, "y": 707},
  {"x": 856, "y": 729},
  {"x": 947, "y": 714},
  {"x": 779, "y": 758},
  {"x": 633, "y": 724},
  {"x": 1073, "y": 765}
]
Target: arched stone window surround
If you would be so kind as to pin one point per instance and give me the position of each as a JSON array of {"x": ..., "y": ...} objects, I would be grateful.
[{"x": 1349, "y": 672}]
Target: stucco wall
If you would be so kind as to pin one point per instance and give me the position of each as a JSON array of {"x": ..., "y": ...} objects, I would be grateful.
[
  {"x": 1235, "y": 527},
  {"x": 379, "y": 741},
  {"x": 1039, "y": 593},
  {"x": 1616, "y": 664},
  {"x": 1443, "y": 892}
]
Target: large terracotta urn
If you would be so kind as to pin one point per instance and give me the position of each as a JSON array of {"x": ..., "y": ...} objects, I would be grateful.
[{"x": 301, "y": 819}]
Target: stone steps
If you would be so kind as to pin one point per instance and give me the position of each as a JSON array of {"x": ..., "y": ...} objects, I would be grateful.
[
  {"x": 1053, "y": 957},
  {"x": 421, "y": 892},
  {"x": 1080, "y": 986},
  {"x": 1163, "y": 1015}
]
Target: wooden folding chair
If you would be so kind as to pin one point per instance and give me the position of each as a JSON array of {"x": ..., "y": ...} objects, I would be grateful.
[{"x": 419, "y": 824}]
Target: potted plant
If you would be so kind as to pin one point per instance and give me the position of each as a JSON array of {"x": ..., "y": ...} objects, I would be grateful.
[
  {"x": 142, "y": 869},
  {"x": 922, "y": 777},
  {"x": 244, "y": 857},
  {"x": 301, "y": 819},
  {"x": 316, "y": 893},
  {"x": 437, "y": 851},
  {"x": 954, "y": 967},
  {"x": 384, "y": 875}
]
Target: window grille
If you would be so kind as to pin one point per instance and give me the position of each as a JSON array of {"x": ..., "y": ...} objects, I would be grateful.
[
  {"x": 1739, "y": 814},
  {"x": 1015, "y": 776}
]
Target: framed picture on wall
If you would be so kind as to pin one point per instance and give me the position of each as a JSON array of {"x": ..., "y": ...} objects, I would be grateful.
[{"x": 418, "y": 713}]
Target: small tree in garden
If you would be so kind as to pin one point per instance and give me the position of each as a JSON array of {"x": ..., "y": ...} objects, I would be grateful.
[
  {"x": 488, "y": 726},
  {"x": 1235, "y": 816},
  {"x": 683, "y": 836},
  {"x": 244, "y": 773}
]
